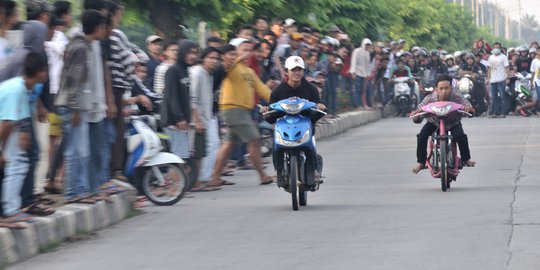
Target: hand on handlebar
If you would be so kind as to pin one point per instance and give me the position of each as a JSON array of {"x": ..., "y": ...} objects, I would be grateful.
[
  {"x": 263, "y": 109},
  {"x": 469, "y": 110},
  {"x": 321, "y": 106}
]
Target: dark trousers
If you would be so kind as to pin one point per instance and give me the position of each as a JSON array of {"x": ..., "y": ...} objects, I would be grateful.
[
  {"x": 118, "y": 154},
  {"x": 457, "y": 134},
  {"x": 310, "y": 165},
  {"x": 27, "y": 191}
]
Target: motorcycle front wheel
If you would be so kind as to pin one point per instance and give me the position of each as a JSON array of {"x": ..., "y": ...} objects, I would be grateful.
[
  {"x": 164, "y": 184},
  {"x": 293, "y": 184},
  {"x": 444, "y": 173}
]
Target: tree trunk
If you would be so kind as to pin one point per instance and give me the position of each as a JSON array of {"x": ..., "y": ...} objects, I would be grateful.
[{"x": 164, "y": 16}]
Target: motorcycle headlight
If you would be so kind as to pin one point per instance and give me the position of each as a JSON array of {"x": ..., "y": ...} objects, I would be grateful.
[
  {"x": 298, "y": 142},
  {"x": 293, "y": 108},
  {"x": 443, "y": 110}
]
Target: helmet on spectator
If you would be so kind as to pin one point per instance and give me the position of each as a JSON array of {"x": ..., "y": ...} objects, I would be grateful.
[
  {"x": 449, "y": 57},
  {"x": 422, "y": 53},
  {"x": 523, "y": 48},
  {"x": 532, "y": 50},
  {"x": 469, "y": 55},
  {"x": 435, "y": 52}
]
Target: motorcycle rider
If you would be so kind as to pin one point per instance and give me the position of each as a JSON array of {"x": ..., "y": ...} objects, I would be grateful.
[
  {"x": 443, "y": 92},
  {"x": 523, "y": 63},
  {"x": 401, "y": 70},
  {"x": 470, "y": 67},
  {"x": 295, "y": 86},
  {"x": 436, "y": 66},
  {"x": 452, "y": 67}
]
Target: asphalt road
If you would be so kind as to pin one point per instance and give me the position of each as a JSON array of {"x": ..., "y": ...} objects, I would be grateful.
[{"x": 371, "y": 213}]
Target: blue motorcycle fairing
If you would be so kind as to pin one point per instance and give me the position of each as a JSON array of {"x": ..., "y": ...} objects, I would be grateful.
[
  {"x": 292, "y": 128},
  {"x": 293, "y": 101}
]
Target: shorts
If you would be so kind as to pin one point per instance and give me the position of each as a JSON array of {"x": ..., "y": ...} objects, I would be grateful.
[
  {"x": 55, "y": 121},
  {"x": 199, "y": 145},
  {"x": 240, "y": 125}
]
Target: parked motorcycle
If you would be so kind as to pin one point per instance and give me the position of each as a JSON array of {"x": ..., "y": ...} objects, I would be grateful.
[
  {"x": 294, "y": 137},
  {"x": 155, "y": 173},
  {"x": 523, "y": 91},
  {"x": 443, "y": 160}
]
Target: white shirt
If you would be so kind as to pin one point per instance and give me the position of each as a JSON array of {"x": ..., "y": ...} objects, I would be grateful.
[
  {"x": 497, "y": 65},
  {"x": 55, "y": 52},
  {"x": 535, "y": 71}
]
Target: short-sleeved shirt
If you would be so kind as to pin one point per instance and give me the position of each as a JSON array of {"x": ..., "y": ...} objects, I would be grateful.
[
  {"x": 14, "y": 100},
  {"x": 497, "y": 65}
]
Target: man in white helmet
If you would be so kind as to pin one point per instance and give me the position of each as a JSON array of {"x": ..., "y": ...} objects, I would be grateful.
[{"x": 296, "y": 86}]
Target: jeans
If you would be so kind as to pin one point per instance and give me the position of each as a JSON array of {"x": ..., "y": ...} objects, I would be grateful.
[
  {"x": 15, "y": 172},
  {"x": 457, "y": 133},
  {"x": 538, "y": 95},
  {"x": 109, "y": 133},
  {"x": 97, "y": 156},
  {"x": 212, "y": 148},
  {"x": 27, "y": 191},
  {"x": 358, "y": 87},
  {"x": 76, "y": 155},
  {"x": 498, "y": 97},
  {"x": 179, "y": 142}
]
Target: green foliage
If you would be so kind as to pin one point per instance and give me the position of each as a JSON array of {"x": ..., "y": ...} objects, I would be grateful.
[{"x": 424, "y": 22}]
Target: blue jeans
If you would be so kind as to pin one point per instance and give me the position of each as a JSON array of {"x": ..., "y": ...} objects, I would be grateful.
[
  {"x": 16, "y": 168},
  {"x": 76, "y": 155},
  {"x": 27, "y": 191},
  {"x": 538, "y": 95},
  {"x": 498, "y": 97},
  {"x": 109, "y": 134},
  {"x": 358, "y": 87},
  {"x": 96, "y": 170}
]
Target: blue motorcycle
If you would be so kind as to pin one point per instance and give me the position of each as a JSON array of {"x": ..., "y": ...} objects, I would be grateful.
[{"x": 294, "y": 141}]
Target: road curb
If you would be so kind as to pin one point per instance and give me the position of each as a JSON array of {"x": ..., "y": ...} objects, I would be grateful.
[
  {"x": 333, "y": 126},
  {"x": 68, "y": 221}
]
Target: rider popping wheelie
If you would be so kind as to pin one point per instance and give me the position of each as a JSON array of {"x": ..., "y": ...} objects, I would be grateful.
[{"x": 443, "y": 92}]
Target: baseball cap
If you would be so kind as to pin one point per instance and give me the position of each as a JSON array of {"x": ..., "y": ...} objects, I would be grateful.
[
  {"x": 400, "y": 41},
  {"x": 237, "y": 41},
  {"x": 289, "y": 22},
  {"x": 152, "y": 39},
  {"x": 392, "y": 43},
  {"x": 296, "y": 36},
  {"x": 334, "y": 29},
  {"x": 293, "y": 62}
]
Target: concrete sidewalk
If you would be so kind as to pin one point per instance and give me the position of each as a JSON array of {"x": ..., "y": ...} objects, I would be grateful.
[{"x": 80, "y": 219}]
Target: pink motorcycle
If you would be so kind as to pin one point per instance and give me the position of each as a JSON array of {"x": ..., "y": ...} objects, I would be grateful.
[{"x": 443, "y": 160}]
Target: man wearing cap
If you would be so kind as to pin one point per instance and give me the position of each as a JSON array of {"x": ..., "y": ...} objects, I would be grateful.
[
  {"x": 334, "y": 32},
  {"x": 154, "y": 44},
  {"x": 296, "y": 86},
  {"x": 289, "y": 26},
  {"x": 360, "y": 69},
  {"x": 236, "y": 102}
]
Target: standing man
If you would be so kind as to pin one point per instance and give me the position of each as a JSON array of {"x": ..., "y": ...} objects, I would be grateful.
[
  {"x": 75, "y": 102},
  {"x": 236, "y": 102},
  {"x": 175, "y": 108},
  {"x": 360, "y": 69},
  {"x": 154, "y": 44},
  {"x": 497, "y": 74},
  {"x": 206, "y": 126}
]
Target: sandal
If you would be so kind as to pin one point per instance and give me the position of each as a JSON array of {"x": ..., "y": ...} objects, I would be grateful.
[
  {"x": 52, "y": 190},
  {"x": 227, "y": 183},
  {"x": 228, "y": 173},
  {"x": 204, "y": 188},
  {"x": 40, "y": 210},
  {"x": 13, "y": 226},
  {"x": 19, "y": 217},
  {"x": 267, "y": 181},
  {"x": 85, "y": 200}
]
